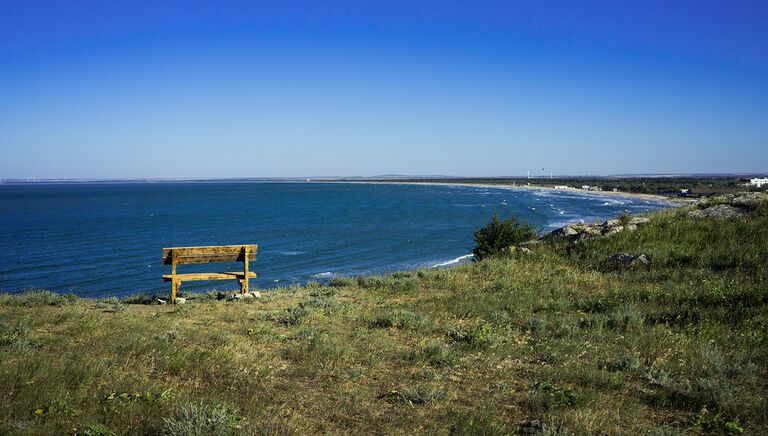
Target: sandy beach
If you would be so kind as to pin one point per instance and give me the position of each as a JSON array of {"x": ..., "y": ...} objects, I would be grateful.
[{"x": 649, "y": 197}]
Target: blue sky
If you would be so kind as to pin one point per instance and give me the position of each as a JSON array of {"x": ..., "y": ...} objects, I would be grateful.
[{"x": 268, "y": 89}]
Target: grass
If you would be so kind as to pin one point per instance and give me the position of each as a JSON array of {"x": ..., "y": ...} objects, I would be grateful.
[{"x": 550, "y": 343}]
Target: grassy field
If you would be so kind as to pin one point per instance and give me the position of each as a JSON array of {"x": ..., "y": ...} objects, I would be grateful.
[{"x": 553, "y": 342}]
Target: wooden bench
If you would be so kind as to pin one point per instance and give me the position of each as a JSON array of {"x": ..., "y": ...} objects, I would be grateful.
[{"x": 212, "y": 254}]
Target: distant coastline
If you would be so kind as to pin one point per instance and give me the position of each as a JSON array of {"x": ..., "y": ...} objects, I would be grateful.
[{"x": 579, "y": 191}]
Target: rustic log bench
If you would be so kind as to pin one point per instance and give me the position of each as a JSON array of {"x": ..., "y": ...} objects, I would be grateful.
[{"x": 212, "y": 254}]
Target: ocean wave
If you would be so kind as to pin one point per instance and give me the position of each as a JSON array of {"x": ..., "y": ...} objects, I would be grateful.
[
  {"x": 323, "y": 275},
  {"x": 291, "y": 253},
  {"x": 454, "y": 261}
]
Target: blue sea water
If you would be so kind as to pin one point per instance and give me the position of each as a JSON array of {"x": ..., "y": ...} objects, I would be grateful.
[{"x": 102, "y": 239}]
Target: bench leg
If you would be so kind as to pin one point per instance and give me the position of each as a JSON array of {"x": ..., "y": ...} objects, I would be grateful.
[
  {"x": 244, "y": 286},
  {"x": 174, "y": 289}
]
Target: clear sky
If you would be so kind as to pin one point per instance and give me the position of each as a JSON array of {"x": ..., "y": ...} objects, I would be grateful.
[{"x": 108, "y": 89}]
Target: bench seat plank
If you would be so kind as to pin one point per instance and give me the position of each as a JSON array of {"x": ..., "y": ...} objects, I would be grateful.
[{"x": 208, "y": 276}]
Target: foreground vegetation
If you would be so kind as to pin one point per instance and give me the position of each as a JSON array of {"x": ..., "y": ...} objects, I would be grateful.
[{"x": 552, "y": 342}]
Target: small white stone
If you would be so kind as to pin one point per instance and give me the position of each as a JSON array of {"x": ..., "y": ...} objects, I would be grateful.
[{"x": 181, "y": 301}]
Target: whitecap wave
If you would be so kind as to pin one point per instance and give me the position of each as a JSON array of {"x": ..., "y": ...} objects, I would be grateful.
[
  {"x": 454, "y": 261},
  {"x": 322, "y": 275},
  {"x": 291, "y": 253}
]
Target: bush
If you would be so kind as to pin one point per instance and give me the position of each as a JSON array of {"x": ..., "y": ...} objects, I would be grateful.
[
  {"x": 499, "y": 235},
  {"x": 202, "y": 419}
]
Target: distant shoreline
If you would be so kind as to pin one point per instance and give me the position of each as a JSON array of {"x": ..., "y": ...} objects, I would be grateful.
[{"x": 622, "y": 194}]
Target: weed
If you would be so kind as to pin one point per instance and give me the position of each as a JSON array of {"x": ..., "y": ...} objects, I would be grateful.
[
  {"x": 202, "y": 419},
  {"x": 550, "y": 395},
  {"x": 421, "y": 394},
  {"x": 474, "y": 337},
  {"x": 399, "y": 318}
]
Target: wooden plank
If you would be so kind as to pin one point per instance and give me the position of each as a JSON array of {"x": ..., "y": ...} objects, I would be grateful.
[
  {"x": 208, "y": 276},
  {"x": 187, "y": 257},
  {"x": 209, "y": 258},
  {"x": 212, "y": 249}
]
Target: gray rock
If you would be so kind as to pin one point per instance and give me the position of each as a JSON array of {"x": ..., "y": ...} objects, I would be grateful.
[
  {"x": 750, "y": 200},
  {"x": 639, "y": 220},
  {"x": 719, "y": 212},
  {"x": 564, "y": 232},
  {"x": 624, "y": 260},
  {"x": 159, "y": 301},
  {"x": 248, "y": 296},
  {"x": 613, "y": 230},
  {"x": 181, "y": 300}
]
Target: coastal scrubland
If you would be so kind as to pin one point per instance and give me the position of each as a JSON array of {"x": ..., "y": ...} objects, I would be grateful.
[{"x": 555, "y": 341}]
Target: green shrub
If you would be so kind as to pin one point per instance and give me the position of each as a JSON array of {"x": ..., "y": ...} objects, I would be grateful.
[
  {"x": 475, "y": 337},
  {"x": 499, "y": 235},
  {"x": 399, "y": 318},
  {"x": 202, "y": 419}
]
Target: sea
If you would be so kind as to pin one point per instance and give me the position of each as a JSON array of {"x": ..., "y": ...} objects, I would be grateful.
[{"x": 106, "y": 239}]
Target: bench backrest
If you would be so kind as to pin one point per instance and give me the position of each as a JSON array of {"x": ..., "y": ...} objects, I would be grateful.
[{"x": 211, "y": 254}]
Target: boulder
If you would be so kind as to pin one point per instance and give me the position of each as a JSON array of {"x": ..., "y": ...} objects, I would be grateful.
[
  {"x": 719, "y": 212},
  {"x": 248, "y": 296},
  {"x": 181, "y": 300},
  {"x": 613, "y": 230},
  {"x": 624, "y": 260},
  {"x": 566, "y": 232}
]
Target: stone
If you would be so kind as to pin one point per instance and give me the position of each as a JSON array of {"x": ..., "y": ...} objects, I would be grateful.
[
  {"x": 614, "y": 230},
  {"x": 248, "y": 296},
  {"x": 719, "y": 212},
  {"x": 624, "y": 260},
  {"x": 180, "y": 300},
  {"x": 564, "y": 232},
  {"x": 159, "y": 301},
  {"x": 750, "y": 200},
  {"x": 524, "y": 250},
  {"x": 639, "y": 220}
]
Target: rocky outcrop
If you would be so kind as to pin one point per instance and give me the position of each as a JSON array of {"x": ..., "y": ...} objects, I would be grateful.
[
  {"x": 728, "y": 206},
  {"x": 718, "y": 212},
  {"x": 751, "y": 200},
  {"x": 575, "y": 232}
]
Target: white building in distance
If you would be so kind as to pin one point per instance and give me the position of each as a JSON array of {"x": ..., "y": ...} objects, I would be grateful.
[{"x": 759, "y": 182}]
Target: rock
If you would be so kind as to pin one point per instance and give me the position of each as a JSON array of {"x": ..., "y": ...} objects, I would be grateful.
[
  {"x": 639, "y": 220},
  {"x": 181, "y": 300},
  {"x": 624, "y": 260},
  {"x": 248, "y": 296},
  {"x": 719, "y": 212},
  {"x": 750, "y": 200},
  {"x": 631, "y": 227},
  {"x": 159, "y": 301},
  {"x": 612, "y": 223},
  {"x": 566, "y": 232},
  {"x": 589, "y": 229},
  {"x": 515, "y": 250},
  {"x": 724, "y": 198},
  {"x": 614, "y": 230}
]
